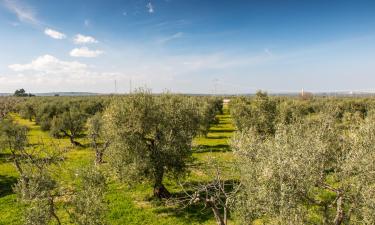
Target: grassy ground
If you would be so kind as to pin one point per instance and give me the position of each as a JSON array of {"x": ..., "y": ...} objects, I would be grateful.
[{"x": 127, "y": 205}]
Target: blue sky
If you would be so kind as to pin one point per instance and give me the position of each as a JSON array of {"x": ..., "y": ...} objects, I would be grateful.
[{"x": 187, "y": 46}]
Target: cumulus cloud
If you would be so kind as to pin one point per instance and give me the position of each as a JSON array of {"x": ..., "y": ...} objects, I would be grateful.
[
  {"x": 49, "y": 64},
  {"x": 82, "y": 39},
  {"x": 54, "y": 34},
  {"x": 85, "y": 52},
  {"x": 23, "y": 12},
  {"x": 48, "y": 73},
  {"x": 150, "y": 7}
]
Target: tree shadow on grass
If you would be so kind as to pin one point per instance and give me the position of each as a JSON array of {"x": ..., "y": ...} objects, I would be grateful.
[
  {"x": 6, "y": 184},
  {"x": 5, "y": 157},
  {"x": 222, "y": 130},
  {"x": 212, "y": 148},
  {"x": 193, "y": 214},
  {"x": 217, "y": 137}
]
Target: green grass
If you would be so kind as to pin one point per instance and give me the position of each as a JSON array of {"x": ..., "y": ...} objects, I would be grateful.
[{"x": 127, "y": 205}]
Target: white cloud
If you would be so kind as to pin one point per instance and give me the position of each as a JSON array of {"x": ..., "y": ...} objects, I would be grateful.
[
  {"x": 150, "y": 7},
  {"x": 85, "y": 52},
  {"x": 170, "y": 38},
  {"x": 54, "y": 34},
  {"x": 48, "y": 73},
  {"x": 23, "y": 12},
  {"x": 82, "y": 39},
  {"x": 48, "y": 64}
]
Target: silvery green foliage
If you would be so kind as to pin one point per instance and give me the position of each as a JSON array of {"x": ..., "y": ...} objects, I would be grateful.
[
  {"x": 27, "y": 110},
  {"x": 208, "y": 108},
  {"x": 70, "y": 123},
  {"x": 12, "y": 136},
  {"x": 310, "y": 172},
  {"x": 37, "y": 193},
  {"x": 258, "y": 113},
  {"x": 358, "y": 172},
  {"x": 7, "y": 105},
  {"x": 37, "y": 188},
  {"x": 151, "y": 136},
  {"x": 88, "y": 205}
]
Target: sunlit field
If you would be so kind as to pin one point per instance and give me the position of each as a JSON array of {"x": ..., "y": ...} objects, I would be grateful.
[
  {"x": 126, "y": 204},
  {"x": 179, "y": 112},
  {"x": 256, "y": 160}
]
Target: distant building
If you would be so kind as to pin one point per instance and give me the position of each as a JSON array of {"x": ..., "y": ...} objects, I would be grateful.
[{"x": 226, "y": 101}]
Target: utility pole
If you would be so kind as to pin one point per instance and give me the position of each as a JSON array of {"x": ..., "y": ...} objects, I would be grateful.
[{"x": 115, "y": 86}]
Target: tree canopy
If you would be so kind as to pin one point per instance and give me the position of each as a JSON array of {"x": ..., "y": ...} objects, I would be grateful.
[{"x": 151, "y": 136}]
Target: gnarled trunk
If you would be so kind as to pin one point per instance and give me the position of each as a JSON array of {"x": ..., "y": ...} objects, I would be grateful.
[
  {"x": 98, "y": 157},
  {"x": 74, "y": 142},
  {"x": 161, "y": 192},
  {"x": 159, "y": 189},
  {"x": 339, "y": 219}
]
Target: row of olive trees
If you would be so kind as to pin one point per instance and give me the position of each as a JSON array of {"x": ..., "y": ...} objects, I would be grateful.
[
  {"x": 308, "y": 163},
  {"x": 208, "y": 108},
  {"x": 293, "y": 155},
  {"x": 148, "y": 136},
  {"x": 63, "y": 117},
  {"x": 8, "y": 105},
  {"x": 263, "y": 112}
]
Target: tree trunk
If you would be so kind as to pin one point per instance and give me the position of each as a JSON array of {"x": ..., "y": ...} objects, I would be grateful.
[
  {"x": 339, "y": 210},
  {"x": 159, "y": 189},
  {"x": 52, "y": 210},
  {"x": 326, "y": 215},
  {"x": 161, "y": 192},
  {"x": 98, "y": 157},
  {"x": 74, "y": 142},
  {"x": 218, "y": 218},
  {"x": 216, "y": 211}
]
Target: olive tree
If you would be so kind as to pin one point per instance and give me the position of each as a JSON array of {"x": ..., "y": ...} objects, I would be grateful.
[
  {"x": 310, "y": 169},
  {"x": 45, "y": 112},
  {"x": 87, "y": 206},
  {"x": 151, "y": 136},
  {"x": 259, "y": 113},
  {"x": 96, "y": 133},
  {"x": 27, "y": 110},
  {"x": 208, "y": 108},
  {"x": 36, "y": 188},
  {"x": 70, "y": 123},
  {"x": 7, "y": 105},
  {"x": 13, "y": 137}
]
